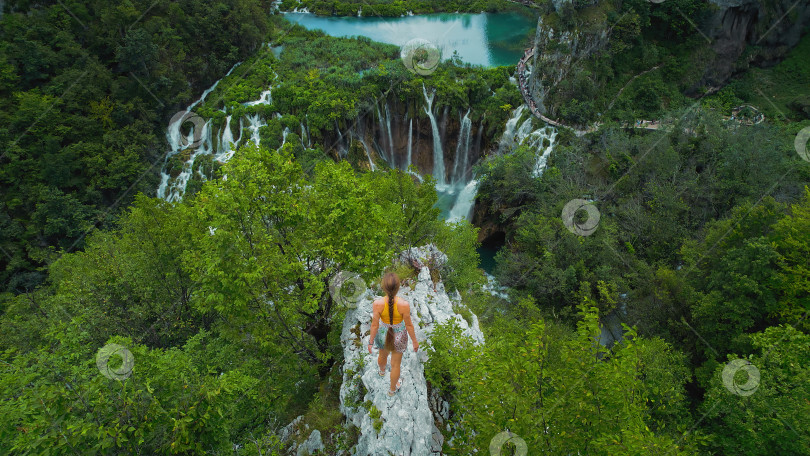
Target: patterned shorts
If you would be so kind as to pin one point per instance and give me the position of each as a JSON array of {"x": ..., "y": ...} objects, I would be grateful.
[{"x": 400, "y": 336}]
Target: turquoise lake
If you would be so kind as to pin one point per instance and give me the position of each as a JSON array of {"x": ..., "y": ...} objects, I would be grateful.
[{"x": 484, "y": 39}]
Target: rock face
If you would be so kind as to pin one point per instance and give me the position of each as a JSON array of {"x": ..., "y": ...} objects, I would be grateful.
[
  {"x": 740, "y": 33},
  {"x": 404, "y": 424},
  {"x": 556, "y": 53},
  {"x": 770, "y": 28},
  {"x": 311, "y": 445}
]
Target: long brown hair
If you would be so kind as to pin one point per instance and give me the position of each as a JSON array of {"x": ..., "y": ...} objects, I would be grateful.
[{"x": 390, "y": 284}]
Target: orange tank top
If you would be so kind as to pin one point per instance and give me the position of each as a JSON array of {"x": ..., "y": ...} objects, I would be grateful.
[{"x": 384, "y": 314}]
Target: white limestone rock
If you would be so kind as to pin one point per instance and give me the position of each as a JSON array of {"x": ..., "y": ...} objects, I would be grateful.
[
  {"x": 408, "y": 418},
  {"x": 311, "y": 444}
]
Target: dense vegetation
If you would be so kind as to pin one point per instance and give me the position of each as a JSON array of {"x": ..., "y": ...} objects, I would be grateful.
[
  {"x": 85, "y": 93},
  {"x": 654, "y": 58},
  {"x": 310, "y": 85},
  {"x": 223, "y": 298},
  {"x": 702, "y": 242},
  {"x": 230, "y": 328}
]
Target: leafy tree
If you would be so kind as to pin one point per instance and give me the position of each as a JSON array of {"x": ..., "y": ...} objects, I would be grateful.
[
  {"x": 561, "y": 393},
  {"x": 773, "y": 414}
]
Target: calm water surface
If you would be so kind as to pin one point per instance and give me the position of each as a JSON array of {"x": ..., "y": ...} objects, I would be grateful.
[{"x": 481, "y": 39}]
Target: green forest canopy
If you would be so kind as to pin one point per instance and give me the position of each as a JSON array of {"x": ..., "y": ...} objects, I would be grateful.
[{"x": 703, "y": 242}]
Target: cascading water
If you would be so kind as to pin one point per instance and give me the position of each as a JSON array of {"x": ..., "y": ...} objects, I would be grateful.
[
  {"x": 410, "y": 144},
  {"x": 462, "y": 208},
  {"x": 508, "y": 138},
  {"x": 438, "y": 155},
  {"x": 368, "y": 154},
  {"x": 176, "y": 141},
  {"x": 227, "y": 135},
  {"x": 525, "y": 135},
  {"x": 390, "y": 137},
  {"x": 462, "y": 149},
  {"x": 382, "y": 147},
  {"x": 172, "y": 189}
]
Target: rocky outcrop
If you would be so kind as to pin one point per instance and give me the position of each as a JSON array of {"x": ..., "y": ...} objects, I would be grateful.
[
  {"x": 406, "y": 423},
  {"x": 739, "y": 33},
  {"x": 767, "y": 29},
  {"x": 556, "y": 53},
  {"x": 312, "y": 445}
]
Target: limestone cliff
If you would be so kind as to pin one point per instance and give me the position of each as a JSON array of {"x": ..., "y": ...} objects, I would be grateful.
[
  {"x": 751, "y": 32},
  {"x": 406, "y": 423},
  {"x": 556, "y": 53},
  {"x": 739, "y": 34}
]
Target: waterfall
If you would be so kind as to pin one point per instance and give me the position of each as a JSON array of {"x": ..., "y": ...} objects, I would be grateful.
[
  {"x": 438, "y": 155},
  {"x": 265, "y": 98},
  {"x": 390, "y": 137},
  {"x": 462, "y": 149},
  {"x": 368, "y": 154},
  {"x": 227, "y": 136},
  {"x": 211, "y": 89},
  {"x": 255, "y": 123},
  {"x": 508, "y": 137},
  {"x": 410, "y": 143},
  {"x": 514, "y": 136},
  {"x": 464, "y": 203},
  {"x": 540, "y": 166},
  {"x": 205, "y": 147},
  {"x": 284, "y": 137},
  {"x": 345, "y": 149},
  {"x": 172, "y": 189},
  {"x": 382, "y": 134}
]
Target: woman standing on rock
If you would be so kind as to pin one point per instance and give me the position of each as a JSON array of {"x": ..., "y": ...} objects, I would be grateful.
[{"x": 395, "y": 314}]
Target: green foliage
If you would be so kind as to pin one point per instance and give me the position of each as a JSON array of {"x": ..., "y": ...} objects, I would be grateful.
[
  {"x": 659, "y": 191},
  {"x": 526, "y": 379},
  {"x": 772, "y": 419},
  {"x": 271, "y": 225},
  {"x": 86, "y": 89},
  {"x": 756, "y": 275},
  {"x": 60, "y": 402},
  {"x": 130, "y": 281},
  {"x": 376, "y": 415}
]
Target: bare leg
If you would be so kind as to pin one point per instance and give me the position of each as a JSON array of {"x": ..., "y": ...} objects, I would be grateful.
[
  {"x": 382, "y": 359},
  {"x": 396, "y": 360}
]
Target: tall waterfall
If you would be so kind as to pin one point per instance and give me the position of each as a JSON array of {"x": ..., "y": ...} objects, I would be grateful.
[
  {"x": 227, "y": 135},
  {"x": 410, "y": 144},
  {"x": 438, "y": 155},
  {"x": 387, "y": 146},
  {"x": 368, "y": 154},
  {"x": 390, "y": 136},
  {"x": 462, "y": 149}
]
